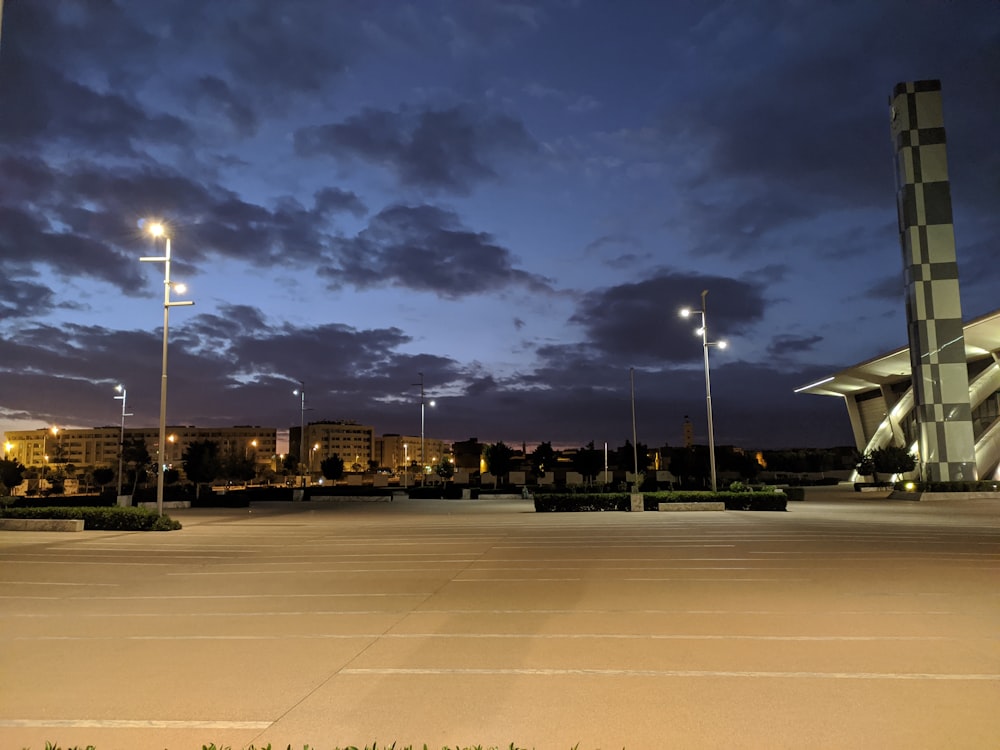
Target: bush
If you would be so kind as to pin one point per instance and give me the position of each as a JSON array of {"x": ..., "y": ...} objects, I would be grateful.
[
  {"x": 571, "y": 502},
  {"x": 767, "y": 500},
  {"x": 100, "y": 519},
  {"x": 66, "y": 501}
]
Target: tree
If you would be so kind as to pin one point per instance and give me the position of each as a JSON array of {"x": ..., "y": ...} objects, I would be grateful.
[
  {"x": 543, "y": 458},
  {"x": 498, "y": 458},
  {"x": 11, "y": 473},
  {"x": 332, "y": 467},
  {"x": 237, "y": 467},
  {"x": 445, "y": 469},
  {"x": 626, "y": 459},
  {"x": 201, "y": 461},
  {"x": 135, "y": 455},
  {"x": 888, "y": 460},
  {"x": 290, "y": 464},
  {"x": 588, "y": 462},
  {"x": 104, "y": 476}
]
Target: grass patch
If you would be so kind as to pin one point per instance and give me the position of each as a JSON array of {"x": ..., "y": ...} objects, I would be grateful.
[{"x": 100, "y": 519}]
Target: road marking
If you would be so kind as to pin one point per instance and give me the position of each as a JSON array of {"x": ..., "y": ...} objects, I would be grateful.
[
  {"x": 52, "y": 583},
  {"x": 422, "y": 595},
  {"x": 679, "y": 673},
  {"x": 127, "y": 724},
  {"x": 492, "y": 636}
]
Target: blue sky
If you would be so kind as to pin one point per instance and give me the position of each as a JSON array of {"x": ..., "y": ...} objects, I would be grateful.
[{"x": 512, "y": 198}]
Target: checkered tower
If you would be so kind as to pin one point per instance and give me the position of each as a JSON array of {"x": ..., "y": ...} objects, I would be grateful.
[{"x": 930, "y": 270}]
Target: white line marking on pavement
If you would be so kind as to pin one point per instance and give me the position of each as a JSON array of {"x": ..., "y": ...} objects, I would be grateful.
[
  {"x": 52, "y": 583},
  {"x": 678, "y": 673},
  {"x": 428, "y": 568},
  {"x": 488, "y": 636},
  {"x": 423, "y": 595},
  {"x": 126, "y": 724}
]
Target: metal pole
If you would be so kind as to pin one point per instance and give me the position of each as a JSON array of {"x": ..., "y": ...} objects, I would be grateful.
[
  {"x": 158, "y": 230},
  {"x": 161, "y": 464},
  {"x": 302, "y": 428},
  {"x": 423, "y": 460},
  {"x": 635, "y": 446},
  {"x": 708, "y": 389},
  {"x": 121, "y": 440}
]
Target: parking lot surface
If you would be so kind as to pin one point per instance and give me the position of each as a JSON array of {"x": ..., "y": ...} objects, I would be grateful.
[{"x": 847, "y": 621}]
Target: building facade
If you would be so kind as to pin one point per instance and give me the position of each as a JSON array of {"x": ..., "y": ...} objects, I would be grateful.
[
  {"x": 880, "y": 399},
  {"x": 352, "y": 442},
  {"x": 395, "y": 451},
  {"x": 99, "y": 446}
]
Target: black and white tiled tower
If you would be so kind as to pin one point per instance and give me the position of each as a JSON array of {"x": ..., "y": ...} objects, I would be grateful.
[{"x": 933, "y": 303}]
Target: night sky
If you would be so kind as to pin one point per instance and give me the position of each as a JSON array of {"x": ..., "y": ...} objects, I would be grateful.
[{"x": 513, "y": 198}]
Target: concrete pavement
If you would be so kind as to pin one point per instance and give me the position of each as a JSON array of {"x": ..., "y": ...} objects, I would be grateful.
[{"x": 848, "y": 621}]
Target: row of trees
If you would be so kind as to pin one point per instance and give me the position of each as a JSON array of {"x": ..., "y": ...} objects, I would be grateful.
[{"x": 690, "y": 465}]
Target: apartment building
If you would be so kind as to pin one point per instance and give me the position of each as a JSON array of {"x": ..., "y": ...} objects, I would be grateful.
[{"x": 99, "y": 446}]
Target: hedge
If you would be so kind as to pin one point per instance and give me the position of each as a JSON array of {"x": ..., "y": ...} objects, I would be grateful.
[
  {"x": 101, "y": 519},
  {"x": 619, "y": 501},
  {"x": 733, "y": 500}
]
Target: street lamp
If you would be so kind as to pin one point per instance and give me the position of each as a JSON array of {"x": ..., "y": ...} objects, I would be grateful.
[
  {"x": 705, "y": 343},
  {"x": 158, "y": 230},
  {"x": 301, "y": 393},
  {"x": 423, "y": 460},
  {"x": 121, "y": 440}
]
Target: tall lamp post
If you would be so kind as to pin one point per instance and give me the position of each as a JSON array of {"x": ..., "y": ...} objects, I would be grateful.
[
  {"x": 705, "y": 343},
  {"x": 121, "y": 440},
  {"x": 301, "y": 393},
  {"x": 158, "y": 230},
  {"x": 423, "y": 460}
]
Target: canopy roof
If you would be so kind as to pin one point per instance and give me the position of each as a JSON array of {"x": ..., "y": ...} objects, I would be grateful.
[{"x": 982, "y": 338}]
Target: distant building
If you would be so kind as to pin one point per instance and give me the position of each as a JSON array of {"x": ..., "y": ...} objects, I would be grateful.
[
  {"x": 99, "y": 446},
  {"x": 395, "y": 451},
  {"x": 467, "y": 454},
  {"x": 353, "y": 442}
]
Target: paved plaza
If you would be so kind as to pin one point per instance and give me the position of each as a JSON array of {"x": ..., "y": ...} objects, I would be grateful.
[{"x": 850, "y": 621}]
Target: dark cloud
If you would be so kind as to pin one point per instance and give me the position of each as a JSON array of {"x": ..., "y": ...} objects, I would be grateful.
[
  {"x": 41, "y": 51},
  {"x": 784, "y": 345},
  {"x": 639, "y": 321},
  {"x": 215, "y": 94},
  {"x": 82, "y": 220},
  {"x": 889, "y": 288},
  {"x": 333, "y": 200},
  {"x": 426, "y": 248},
  {"x": 26, "y": 241},
  {"x": 448, "y": 149},
  {"x": 20, "y": 298}
]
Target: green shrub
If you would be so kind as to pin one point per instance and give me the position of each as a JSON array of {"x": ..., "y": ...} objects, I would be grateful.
[
  {"x": 100, "y": 519},
  {"x": 767, "y": 500},
  {"x": 571, "y": 502}
]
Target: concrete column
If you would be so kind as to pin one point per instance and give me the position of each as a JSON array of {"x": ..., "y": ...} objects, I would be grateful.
[{"x": 933, "y": 302}]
